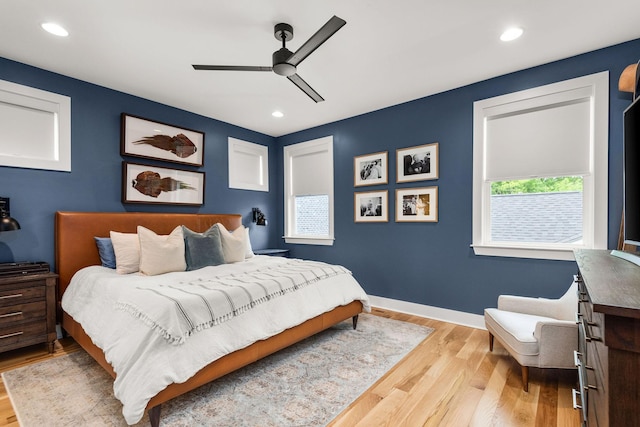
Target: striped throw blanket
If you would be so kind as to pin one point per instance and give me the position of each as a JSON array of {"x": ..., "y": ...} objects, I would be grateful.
[{"x": 178, "y": 310}]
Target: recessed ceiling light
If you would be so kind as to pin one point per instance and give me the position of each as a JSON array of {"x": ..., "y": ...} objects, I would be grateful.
[
  {"x": 55, "y": 29},
  {"x": 511, "y": 34},
  {"x": 277, "y": 114}
]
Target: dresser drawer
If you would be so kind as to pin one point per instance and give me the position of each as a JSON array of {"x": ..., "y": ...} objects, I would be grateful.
[
  {"x": 15, "y": 336},
  {"x": 10, "y": 297},
  {"x": 22, "y": 313}
]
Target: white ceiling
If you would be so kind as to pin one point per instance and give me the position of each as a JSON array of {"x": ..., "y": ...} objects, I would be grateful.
[{"x": 389, "y": 52}]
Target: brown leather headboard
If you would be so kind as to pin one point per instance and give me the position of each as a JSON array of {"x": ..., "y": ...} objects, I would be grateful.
[{"x": 74, "y": 232}]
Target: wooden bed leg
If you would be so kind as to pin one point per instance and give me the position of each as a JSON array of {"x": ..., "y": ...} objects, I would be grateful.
[
  {"x": 355, "y": 321},
  {"x": 154, "y": 416}
]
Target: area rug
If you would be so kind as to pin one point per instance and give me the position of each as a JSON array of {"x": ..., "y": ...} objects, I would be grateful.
[{"x": 307, "y": 384}]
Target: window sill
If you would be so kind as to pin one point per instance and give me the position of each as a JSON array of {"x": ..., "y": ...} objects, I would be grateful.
[
  {"x": 565, "y": 254},
  {"x": 324, "y": 241}
]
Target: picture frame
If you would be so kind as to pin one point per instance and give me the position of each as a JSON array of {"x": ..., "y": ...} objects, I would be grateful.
[
  {"x": 419, "y": 163},
  {"x": 148, "y": 139},
  {"x": 371, "y": 206},
  {"x": 370, "y": 169},
  {"x": 417, "y": 204},
  {"x": 159, "y": 185}
]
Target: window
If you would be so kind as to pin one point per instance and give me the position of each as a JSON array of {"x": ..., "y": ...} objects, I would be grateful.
[
  {"x": 36, "y": 128},
  {"x": 248, "y": 165},
  {"x": 308, "y": 189},
  {"x": 540, "y": 166}
]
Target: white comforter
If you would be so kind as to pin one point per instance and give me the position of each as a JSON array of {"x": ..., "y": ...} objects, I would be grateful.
[{"x": 145, "y": 362}]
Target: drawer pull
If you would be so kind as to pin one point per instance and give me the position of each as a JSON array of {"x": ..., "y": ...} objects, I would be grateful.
[
  {"x": 577, "y": 359},
  {"x": 17, "y": 313},
  {"x": 581, "y": 406},
  {"x": 580, "y": 317},
  {"x": 587, "y": 331},
  {"x": 11, "y": 296},
  {"x": 15, "y": 334},
  {"x": 575, "y": 394}
]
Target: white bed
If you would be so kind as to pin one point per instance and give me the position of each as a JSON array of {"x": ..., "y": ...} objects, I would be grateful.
[{"x": 150, "y": 352}]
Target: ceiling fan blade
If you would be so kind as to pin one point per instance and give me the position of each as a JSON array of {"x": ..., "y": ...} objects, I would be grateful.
[
  {"x": 297, "y": 80},
  {"x": 321, "y": 36},
  {"x": 230, "y": 68}
]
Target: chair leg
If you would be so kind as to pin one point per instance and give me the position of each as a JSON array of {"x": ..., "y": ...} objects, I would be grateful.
[
  {"x": 490, "y": 341},
  {"x": 525, "y": 378}
]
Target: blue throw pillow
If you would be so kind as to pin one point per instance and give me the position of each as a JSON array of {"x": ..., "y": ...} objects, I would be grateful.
[
  {"x": 202, "y": 249},
  {"x": 106, "y": 252}
]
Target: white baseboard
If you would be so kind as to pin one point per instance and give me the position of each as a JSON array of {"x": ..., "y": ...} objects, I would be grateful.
[{"x": 444, "y": 314}]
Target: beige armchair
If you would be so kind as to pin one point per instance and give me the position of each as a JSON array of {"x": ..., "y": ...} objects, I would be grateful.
[{"x": 537, "y": 332}]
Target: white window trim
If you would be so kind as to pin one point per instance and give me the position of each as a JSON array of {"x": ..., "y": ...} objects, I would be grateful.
[
  {"x": 258, "y": 178},
  {"x": 595, "y": 183},
  {"x": 290, "y": 152},
  {"x": 28, "y": 99}
]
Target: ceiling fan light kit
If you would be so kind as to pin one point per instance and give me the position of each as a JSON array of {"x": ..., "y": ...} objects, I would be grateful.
[{"x": 284, "y": 61}]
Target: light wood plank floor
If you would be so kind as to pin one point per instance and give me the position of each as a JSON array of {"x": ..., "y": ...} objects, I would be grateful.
[{"x": 450, "y": 379}]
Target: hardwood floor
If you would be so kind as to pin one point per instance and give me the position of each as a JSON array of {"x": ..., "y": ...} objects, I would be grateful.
[{"x": 450, "y": 379}]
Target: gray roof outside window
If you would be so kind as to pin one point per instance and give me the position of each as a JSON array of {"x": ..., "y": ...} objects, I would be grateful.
[{"x": 537, "y": 217}]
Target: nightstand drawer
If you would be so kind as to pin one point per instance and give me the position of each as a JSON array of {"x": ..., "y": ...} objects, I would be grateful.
[
  {"x": 27, "y": 310},
  {"x": 9, "y": 297},
  {"x": 22, "y": 313},
  {"x": 19, "y": 335}
]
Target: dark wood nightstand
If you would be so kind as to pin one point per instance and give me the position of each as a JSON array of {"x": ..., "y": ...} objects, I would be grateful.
[
  {"x": 273, "y": 252},
  {"x": 28, "y": 310}
]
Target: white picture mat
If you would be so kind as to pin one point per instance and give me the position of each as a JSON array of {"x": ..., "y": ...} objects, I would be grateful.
[
  {"x": 248, "y": 165},
  {"x": 362, "y": 175},
  {"x": 138, "y": 128},
  {"x": 365, "y": 201},
  {"x": 183, "y": 196},
  {"x": 417, "y": 204},
  {"x": 36, "y": 128}
]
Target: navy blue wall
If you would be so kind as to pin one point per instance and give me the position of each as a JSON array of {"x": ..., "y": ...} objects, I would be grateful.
[
  {"x": 432, "y": 263},
  {"x": 94, "y": 183},
  {"x": 426, "y": 263}
]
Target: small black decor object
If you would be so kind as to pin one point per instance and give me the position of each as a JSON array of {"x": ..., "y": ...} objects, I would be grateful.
[
  {"x": 6, "y": 222},
  {"x": 258, "y": 217}
]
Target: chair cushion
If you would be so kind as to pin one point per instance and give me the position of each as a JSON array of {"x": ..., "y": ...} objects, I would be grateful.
[{"x": 514, "y": 330}]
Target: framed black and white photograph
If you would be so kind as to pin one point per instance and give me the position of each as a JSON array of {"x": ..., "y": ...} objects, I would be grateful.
[
  {"x": 417, "y": 204},
  {"x": 370, "y": 169},
  {"x": 371, "y": 206},
  {"x": 417, "y": 163},
  {"x": 140, "y": 137},
  {"x": 153, "y": 184}
]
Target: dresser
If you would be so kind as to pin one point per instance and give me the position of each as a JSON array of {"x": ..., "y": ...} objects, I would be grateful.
[
  {"x": 28, "y": 310},
  {"x": 608, "y": 356}
]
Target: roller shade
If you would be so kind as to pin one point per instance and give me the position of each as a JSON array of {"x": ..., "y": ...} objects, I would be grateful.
[
  {"x": 548, "y": 141},
  {"x": 311, "y": 170}
]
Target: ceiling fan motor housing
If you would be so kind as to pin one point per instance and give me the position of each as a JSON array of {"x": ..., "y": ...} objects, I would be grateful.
[{"x": 280, "y": 64}]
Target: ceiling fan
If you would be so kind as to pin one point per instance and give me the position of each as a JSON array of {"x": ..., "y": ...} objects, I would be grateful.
[{"x": 285, "y": 61}]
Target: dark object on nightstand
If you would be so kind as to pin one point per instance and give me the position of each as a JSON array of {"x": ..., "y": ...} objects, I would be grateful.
[
  {"x": 28, "y": 310},
  {"x": 273, "y": 252},
  {"x": 23, "y": 268}
]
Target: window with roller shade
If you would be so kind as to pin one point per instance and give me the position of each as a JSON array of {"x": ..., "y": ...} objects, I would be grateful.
[
  {"x": 308, "y": 182},
  {"x": 540, "y": 170}
]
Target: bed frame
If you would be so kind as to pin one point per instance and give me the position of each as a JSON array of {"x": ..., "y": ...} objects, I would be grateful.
[{"x": 75, "y": 248}]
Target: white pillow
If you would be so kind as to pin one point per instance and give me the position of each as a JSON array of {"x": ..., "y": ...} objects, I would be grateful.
[
  {"x": 161, "y": 254},
  {"x": 127, "y": 249},
  {"x": 233, "y": 245},
  {"x": 248, "y": 250}
]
